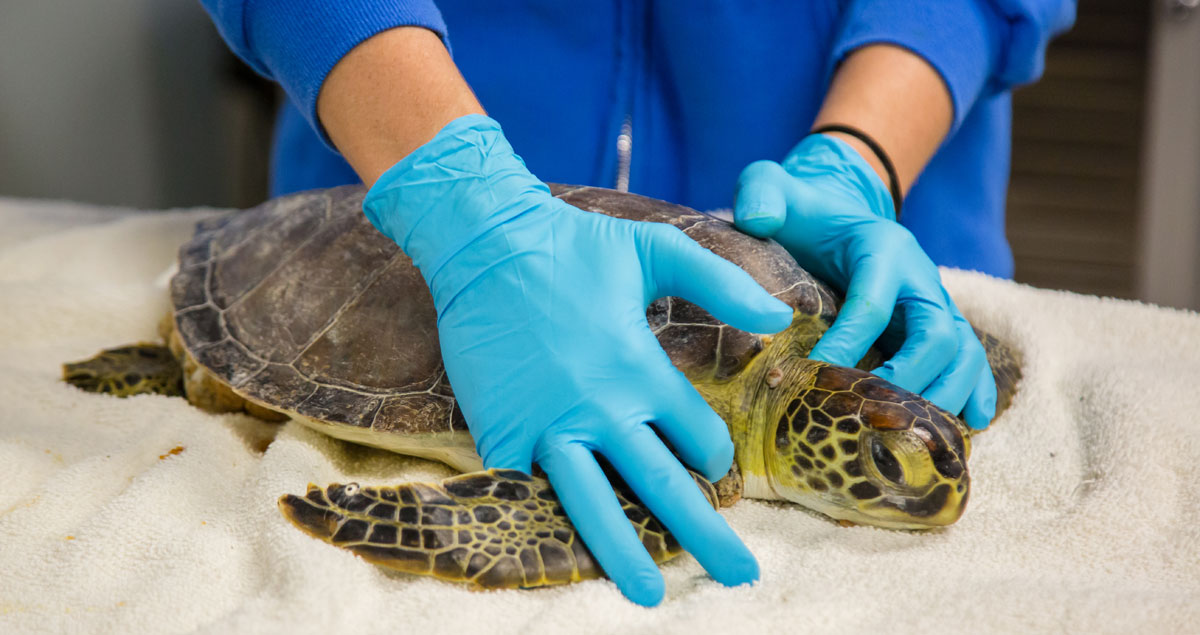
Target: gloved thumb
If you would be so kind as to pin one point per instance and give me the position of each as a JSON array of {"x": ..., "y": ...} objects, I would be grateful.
[
  {"x": 759, "y": 205},
  {"x": 505, "y": 448},
  {"x": 681, "y": 267}
]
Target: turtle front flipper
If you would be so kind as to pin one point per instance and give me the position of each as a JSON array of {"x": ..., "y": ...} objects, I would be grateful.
[
  {"x": 1006, "y": 368},
  {"x": 129, "y": 370},
  {"x": 495, "y": 529}
]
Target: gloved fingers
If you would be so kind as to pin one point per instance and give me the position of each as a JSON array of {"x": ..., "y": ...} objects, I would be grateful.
[
  {"x": 507, "y": 454},
  {"x": 696, "y": 432},
  {"x": 870, "y": 300},
  {"x": 588, "y": 498},
  {"x": 951, "y": 390},
  {"x": 673, "y": 497},
  {"x": 759, "y": 203},
  {"x": 679, "y": 266},
  {"x": 930, "y": 343},
  {"x": 981, "y": 405}
]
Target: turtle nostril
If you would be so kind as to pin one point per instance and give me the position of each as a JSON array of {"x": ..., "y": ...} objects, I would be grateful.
[{"x": 886, "y": 462}]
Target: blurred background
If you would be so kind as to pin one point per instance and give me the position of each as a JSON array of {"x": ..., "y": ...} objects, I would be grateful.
[{"x": 1105, "y": 193}]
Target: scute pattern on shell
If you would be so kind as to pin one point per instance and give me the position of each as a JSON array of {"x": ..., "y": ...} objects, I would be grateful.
[
  {"x": 830, "y": 435},
  {"x": 697, "y": 343},
  {"x": 302, "y": 305}
]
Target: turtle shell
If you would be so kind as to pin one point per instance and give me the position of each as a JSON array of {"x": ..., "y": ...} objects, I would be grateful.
[
  {"x": 302, "y": 306},
  {"x": 699, "y": 344}
]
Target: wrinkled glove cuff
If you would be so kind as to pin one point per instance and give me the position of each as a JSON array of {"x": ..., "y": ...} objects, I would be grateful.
[
  {"x": 820, "y": 155},
  {"x": 447, "y": 193},
  {"x": 880, "y": 153}
]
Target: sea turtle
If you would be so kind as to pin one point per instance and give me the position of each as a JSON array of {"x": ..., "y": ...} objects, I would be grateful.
[{"x": 300, "y": 309}]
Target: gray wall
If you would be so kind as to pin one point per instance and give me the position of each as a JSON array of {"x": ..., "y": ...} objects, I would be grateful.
[
  {"x": 1170, "y": 219},
  {"x": 126, "y": 102}
]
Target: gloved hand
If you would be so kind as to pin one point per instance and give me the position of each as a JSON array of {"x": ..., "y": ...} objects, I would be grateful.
[
  {"x": 541, "y": 316},
  {"x": 827, "y": 207}
]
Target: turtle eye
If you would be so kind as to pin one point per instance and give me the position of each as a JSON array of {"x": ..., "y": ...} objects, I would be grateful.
[
  {"x": 350, "y": 489},
  {"x": 886, "y": 462}
]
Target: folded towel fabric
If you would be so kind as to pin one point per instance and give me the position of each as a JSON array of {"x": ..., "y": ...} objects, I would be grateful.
[{"x": 148, "y": 515}]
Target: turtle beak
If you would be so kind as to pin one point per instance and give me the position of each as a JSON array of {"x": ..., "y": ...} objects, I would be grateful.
[{"x": 942, "y": 505}]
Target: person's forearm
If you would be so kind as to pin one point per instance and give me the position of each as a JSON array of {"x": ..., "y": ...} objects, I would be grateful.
[
  {"x": 389, "y": 95},
  {"x": 898, "y": 99}
]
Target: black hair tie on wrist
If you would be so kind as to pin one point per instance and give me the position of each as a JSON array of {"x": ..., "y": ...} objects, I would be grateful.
[{"x": 894, "y": 186}]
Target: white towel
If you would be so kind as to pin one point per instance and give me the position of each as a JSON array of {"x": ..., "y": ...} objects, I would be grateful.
[{"x": 148, "y": 515}]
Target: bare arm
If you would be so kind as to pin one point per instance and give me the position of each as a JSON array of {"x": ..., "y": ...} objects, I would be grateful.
[
  {"x": 389, "y": 95},
  {"x": 898, "y": 99}
]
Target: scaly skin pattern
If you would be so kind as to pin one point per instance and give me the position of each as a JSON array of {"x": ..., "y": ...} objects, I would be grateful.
[
  {"x": 129, "y": 370},
  {"x": 858, "y": 449},
  {"x": 494, "y": 529},
  {"x": 835, "y": 440},
  {"x": 841, "y": 441}
]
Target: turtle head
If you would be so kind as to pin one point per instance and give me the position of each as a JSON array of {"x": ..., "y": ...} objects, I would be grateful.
[{"x": 859, "y": 449}]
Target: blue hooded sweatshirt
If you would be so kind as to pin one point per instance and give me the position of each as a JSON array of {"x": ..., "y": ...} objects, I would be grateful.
[{"x": 701, "y": 88}]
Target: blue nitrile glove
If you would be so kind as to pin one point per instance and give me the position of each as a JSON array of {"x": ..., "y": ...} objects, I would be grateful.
[
  {"x": 541, "y": 315},
  {"x": 833, "y": 213}
]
